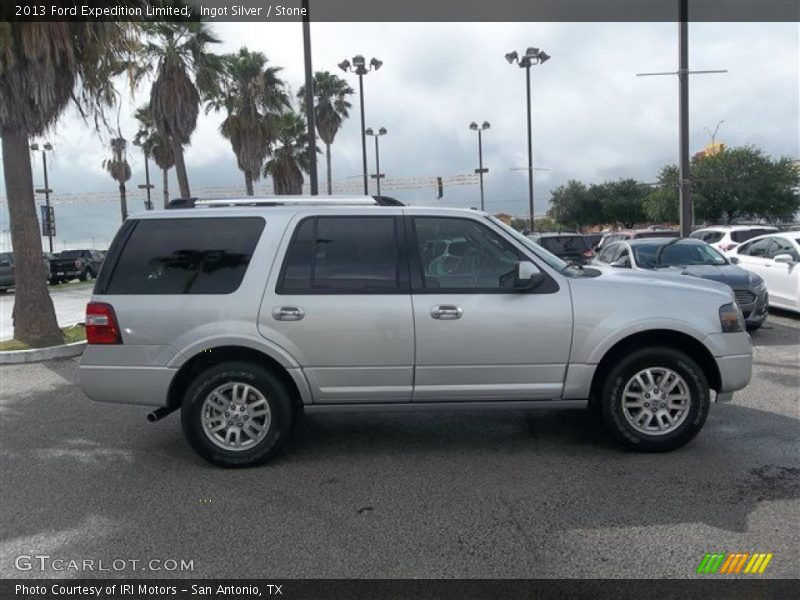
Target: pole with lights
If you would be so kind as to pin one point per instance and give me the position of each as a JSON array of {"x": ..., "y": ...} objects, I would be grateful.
[
  {"x": 480, "y": 170},
  {"x": 378, "y": 175},
  {"x": 359, "y": 67},
  {"x": 532, "y": 57}
]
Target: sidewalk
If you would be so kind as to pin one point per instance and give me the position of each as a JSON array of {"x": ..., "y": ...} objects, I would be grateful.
[{"x": 70, "y": 303}]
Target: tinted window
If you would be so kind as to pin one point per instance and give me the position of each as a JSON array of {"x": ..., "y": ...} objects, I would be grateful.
[
  {"x": 744, "y": 235},
  {"x": 758, "y": 248},
  {"x": 609, "y": 252},
  {"x": 783, "y": 246},
  {"x": 568, "y": 244},
  {"x": 657, "y": 234},
  {"x": 463, "y": 254},
  {"x": 342, "y": 255},
  {"x": 186, "y": 256},
  {"x": 709, "y": 237}
]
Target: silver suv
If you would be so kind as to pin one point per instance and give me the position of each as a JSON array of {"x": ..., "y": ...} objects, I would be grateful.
[{"x": 243, "y": 313}]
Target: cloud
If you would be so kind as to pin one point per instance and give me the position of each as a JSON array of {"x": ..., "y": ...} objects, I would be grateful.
[{"x": 593, "y": 119}]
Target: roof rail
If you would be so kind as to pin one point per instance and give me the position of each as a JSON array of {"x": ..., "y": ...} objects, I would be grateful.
[{"x": 285, "y": 201}]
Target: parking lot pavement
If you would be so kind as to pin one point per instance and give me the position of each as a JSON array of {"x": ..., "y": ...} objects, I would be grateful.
[
  {"x": 489, "y": 494},
  {"x": 69, "y": 301}
]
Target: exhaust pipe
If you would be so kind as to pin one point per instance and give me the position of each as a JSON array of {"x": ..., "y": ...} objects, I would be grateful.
[{"x": 160, "y": 413}]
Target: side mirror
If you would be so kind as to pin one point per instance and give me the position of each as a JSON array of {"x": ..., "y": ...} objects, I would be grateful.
[
  {"x": 734, "y": 260},
  {"x": 527, "y": 276},
  {"x": 784, "y": 259},
  {"x": 622, "y": 263}
]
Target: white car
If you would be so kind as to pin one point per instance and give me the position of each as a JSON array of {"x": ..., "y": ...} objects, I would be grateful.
[
  {"x": 727, "y": 237},
  {"x": 776, "y": 257}
]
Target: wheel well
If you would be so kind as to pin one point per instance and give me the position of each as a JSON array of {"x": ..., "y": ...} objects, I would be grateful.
[
  {"x": 213, "y": 356},
  {"x": 658, "y": 337}
]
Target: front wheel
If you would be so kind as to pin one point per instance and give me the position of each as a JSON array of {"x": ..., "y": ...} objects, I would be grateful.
[
  {"x": 655, "y": 400},
  {"x": 237, "y": 414}
]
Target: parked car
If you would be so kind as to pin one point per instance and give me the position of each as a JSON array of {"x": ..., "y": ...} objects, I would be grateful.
[
  {"x": 571, "y": 247},
  {"x": 7, "y": 271},
  {"x": 635, "y": 234},
  {"x": 687, "y": 256},
  {"x": 242, "y": 312},
  {"x": 593, "y": 239},
  {"x": 727, "y": 237},
  {"x": 776, "y": 258},
  {"x": 75, "y": 264}
]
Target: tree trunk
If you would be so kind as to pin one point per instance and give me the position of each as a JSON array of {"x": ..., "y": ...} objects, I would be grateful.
[
  {"x": 33, "y": 315},
  {"x": 165, "y": 174},
  {"x": 248, "y": 183},
  {"x": 180, "y": 169},
  {"x": 123, "y": 201},
  {"x": 328, "y": 162}
]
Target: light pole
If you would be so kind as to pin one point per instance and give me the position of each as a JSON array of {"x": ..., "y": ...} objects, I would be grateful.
[
  {"x": 148, "y": 204},
  {"x": 48, "y": 221},
  {"x": 359, "y": 67},
  {"x": 378, "y": 175},
  {"x": 713, "y": 134},
  {"x": 532, "y": 56},
  {"x": 480, "y": 170},
  {"x": 311, "y": 119}
]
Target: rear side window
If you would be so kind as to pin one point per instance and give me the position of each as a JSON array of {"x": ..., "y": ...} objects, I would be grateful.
[
  {"x": 343, "y": 255},
  {"x": 744, "y": 235},
  {"x": 186, "y": 256}
]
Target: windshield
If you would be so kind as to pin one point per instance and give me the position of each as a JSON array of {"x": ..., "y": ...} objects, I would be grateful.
[
  {"x": 676, "y": 255},
  {"x": 551, "y": 259}
]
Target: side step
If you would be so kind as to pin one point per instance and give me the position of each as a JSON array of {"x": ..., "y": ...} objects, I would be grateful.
[{"x": 443, "y": 406}]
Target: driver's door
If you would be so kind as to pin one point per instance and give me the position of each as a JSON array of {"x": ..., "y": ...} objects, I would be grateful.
[{"x": 476, "y": 337}]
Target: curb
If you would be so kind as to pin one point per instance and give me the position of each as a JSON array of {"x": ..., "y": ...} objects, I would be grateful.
[{"x": 16, "y": 357}]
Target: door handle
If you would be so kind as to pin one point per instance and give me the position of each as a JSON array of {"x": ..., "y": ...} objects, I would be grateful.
[
  {"x": 446, "y": 312},
  {"x": 288, "y": 313}
]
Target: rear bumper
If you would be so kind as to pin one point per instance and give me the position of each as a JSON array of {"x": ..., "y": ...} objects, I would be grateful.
[{"x": 146, "y": 386}]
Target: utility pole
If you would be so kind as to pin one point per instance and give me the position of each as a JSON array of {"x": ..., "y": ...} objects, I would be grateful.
[
  {"x": 686, "y": 210},
  {"x": 311, "y": 121}
]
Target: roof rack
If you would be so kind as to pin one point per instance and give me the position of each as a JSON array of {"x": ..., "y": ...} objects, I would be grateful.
[{"x": 284, "y": 201}]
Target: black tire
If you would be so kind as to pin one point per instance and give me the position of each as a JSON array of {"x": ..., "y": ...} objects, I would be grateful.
[
  {"x": 84, "y": 275},
  {"x": 755, "y": 326},
  {"x": 614, "y": 386},
  {"x": 270, "y": 386}
]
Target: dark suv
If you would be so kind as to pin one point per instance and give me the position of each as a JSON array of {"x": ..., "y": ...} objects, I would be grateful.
[{"x": 75, "y": 264}]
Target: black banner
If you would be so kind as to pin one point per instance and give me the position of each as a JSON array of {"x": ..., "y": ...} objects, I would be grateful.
[
  {"x": 418, "y": 589},
  {"x": 266, "y": 11}
]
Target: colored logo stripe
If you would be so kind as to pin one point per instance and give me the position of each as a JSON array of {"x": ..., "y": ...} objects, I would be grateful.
[{"x": 724, "y": 563}]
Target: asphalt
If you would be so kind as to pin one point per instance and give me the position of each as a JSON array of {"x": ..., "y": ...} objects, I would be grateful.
[{"x": 488, "y": 494}]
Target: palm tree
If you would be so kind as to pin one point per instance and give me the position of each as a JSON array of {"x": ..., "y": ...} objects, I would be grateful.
[
  {"x": 180, "y": 51},
  {"x": 331, "y": 107},
  {"x": 119, "y": 169},
  {"x": 44, "y": 66},
  {"x": 252, "y": 94},
  {"x": 154, "y": 145},
  {"x": 290, "y": 158}
]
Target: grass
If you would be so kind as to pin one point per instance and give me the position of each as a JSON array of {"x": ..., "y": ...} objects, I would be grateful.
[{"x": 76, "y": 333}]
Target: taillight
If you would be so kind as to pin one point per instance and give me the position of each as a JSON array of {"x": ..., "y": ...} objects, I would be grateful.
[
  {"x": 101, "y": 324},
  {"x": 727, "y": 247},
  {"x": 77, "y": 264},
  {"x": 588, "y": 253}
]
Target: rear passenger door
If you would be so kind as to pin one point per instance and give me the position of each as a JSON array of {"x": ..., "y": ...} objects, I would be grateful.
[{"x": 341, "y": 305}]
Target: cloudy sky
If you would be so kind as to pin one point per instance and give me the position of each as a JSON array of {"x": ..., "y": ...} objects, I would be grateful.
[{"x": 593, "y": 118}]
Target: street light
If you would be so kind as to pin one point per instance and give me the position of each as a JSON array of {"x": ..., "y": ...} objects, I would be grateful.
[
  {"x": 148, "y": 204},
  {"x": 48, "y": 217},
  {"x": 378, "y": 175},
  {"x": 532, "y": 56},
  {"x": 359, "y": 67},
  {"x": 480, "y": 170}
]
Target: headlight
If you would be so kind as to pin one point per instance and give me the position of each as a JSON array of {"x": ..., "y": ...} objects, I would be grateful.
[
  {"x": 760, "y": 287},
  {"x": 730, "y": 318}
]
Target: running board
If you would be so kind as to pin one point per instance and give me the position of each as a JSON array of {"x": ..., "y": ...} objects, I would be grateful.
[{"x": 423, "y": 406}]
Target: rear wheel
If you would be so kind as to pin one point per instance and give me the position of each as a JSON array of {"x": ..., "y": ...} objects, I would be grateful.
[
  {"x": 655, "y": 400},
  {"x": 237, "y": 414}
]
